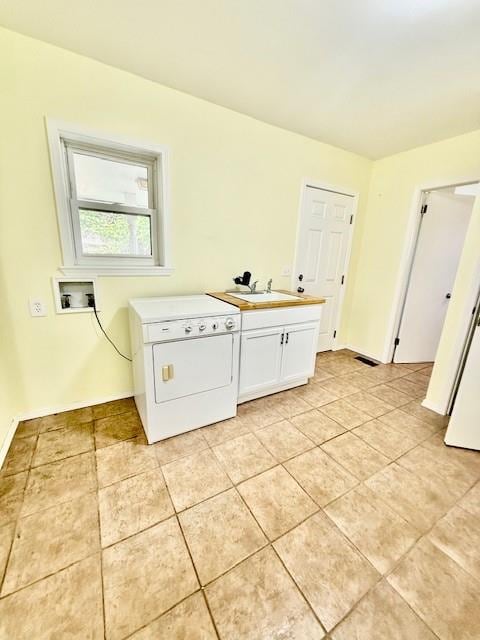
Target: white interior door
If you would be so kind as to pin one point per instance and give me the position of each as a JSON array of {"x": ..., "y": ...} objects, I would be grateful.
[
  {"x": 439, "y": 247},
  {"x": 323, "y": 236},
  {"x": 464, "y": 426}
]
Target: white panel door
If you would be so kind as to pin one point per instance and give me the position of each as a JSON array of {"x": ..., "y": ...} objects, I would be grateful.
[
  {"x": 440, "y": 243},
  {"x": 299, "y": 347},
  {"x": 260, "y": 359},
  {"x": 321, "y": 250},
  {"x": 464, "y": 426}
]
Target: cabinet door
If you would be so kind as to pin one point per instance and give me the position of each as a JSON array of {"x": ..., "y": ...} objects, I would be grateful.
[
  {"x": 260, "y": 359},
  {"x": 299, "y": 351}
]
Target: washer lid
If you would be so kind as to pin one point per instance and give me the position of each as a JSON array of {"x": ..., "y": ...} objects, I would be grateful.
[{"x": 179, "y": 307}]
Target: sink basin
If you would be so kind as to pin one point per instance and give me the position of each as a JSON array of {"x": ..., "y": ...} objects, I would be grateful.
[{"x": 273, "y": 296}]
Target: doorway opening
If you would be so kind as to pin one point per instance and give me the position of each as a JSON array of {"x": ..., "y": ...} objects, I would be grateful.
[
  {"x": 444, "y": 217},
  {"x": 323, "y": 247}
]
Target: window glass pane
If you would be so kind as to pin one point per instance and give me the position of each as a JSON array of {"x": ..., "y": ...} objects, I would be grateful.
[
  {"x": 121, "y": 234},
  {"x": 103, "y": 180}
]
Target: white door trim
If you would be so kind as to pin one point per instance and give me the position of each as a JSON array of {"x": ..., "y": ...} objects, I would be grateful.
[
  {"x": 307, "y": 182},
  {"x": 401, "y": 288}
]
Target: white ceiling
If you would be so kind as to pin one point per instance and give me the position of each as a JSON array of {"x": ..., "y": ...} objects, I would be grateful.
[{"x": 371, "y": 76}]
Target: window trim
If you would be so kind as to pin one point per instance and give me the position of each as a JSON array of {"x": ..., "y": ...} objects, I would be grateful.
[{"x": 159, "y": 263}]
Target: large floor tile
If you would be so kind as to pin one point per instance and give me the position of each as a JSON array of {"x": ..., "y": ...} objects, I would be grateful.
[
  {"x": 321, "y": 477},
  {"x": 124, "y": 460},
  {"x": 466, "y": 459},
  {"x": 50, "y": 540},
  {"x": 283, "y": 440},
  {"x": 144, "y": 576},
  {"x": 19, "y": 456},
  {"x": 6, "y": 539},
  {"x": 65, "y": 605},
  {"x": 220, "y": 533},
  {"x": 415, "y": 498},
  {"x": 59, "y": 482},
  {"x": 71, "y": 418},
  {"x": 258, "y": 413},
  {"x": 345, "y": 414},
  {"x": 391, "y": 396},
  {"x": 226, "y": 430},
  {"x": 258, "y": 599},
  {"x": 11, "y": 496},
  {"x": 113, "y": 408},
  {"x": 180, "y": 446},
  {"x": 63, "y": 443},
  {"x": 384, "y": 438},
  {"x": 27, "y": 428},
  {"x": 358, "y": 379},
  {"x": 328, "y": 569},
  {"x": 189, "y": 620},
  {"x": 369, "y": 404},
  {"x": 425, "y": 462},
  {"x": 382, "y": 615},
  {"x": 408, "y": 425},
  {"x": 471, "y": 501},
  {"x": 315, "y": 395},
  {"x": 415, "y": 408},
  {"x": 359, "y": 458},
  {"x": 244, "y": 457},
  {"x": 288, "y": 403},
  {"x": 458, "y": 535},
  {"x": 410, "y": 387},
  {"x": 131, "y": 505},
  {"x": 439, "y": 591},
  {"x": 338, "y": 387},
  {"x": 277, "y": 501},
  {"x": 115, "y": 428},
  {"x": 375, "y": 529},
  {"x": 195, "y": 478},
  {"x": 317, "y": 426}
]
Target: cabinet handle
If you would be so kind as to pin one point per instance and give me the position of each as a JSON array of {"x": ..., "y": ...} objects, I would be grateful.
[
  {"x": 281, "y": 338},
  {"x": 286, "y": 341}
]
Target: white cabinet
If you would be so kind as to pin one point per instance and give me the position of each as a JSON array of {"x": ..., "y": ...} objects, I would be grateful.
[
  {"x": 276, "y": 358},
  {"x": 260, "y": 359},
  {"x": 299, "y": 350}
]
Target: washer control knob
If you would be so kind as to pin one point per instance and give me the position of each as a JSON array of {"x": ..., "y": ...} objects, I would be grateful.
[
  {"x": 229, "y": 323},
  {"x": 214, "y": 325},
  {"x": 188, "y": 328},
  {"x": 202, "y": 326}
]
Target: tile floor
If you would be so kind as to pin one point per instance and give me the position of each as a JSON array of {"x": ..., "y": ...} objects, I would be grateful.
[{"x": 330, "y": 511}]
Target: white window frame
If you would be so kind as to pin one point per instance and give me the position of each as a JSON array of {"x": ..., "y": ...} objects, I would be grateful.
[{"x": 155, "y": 157}]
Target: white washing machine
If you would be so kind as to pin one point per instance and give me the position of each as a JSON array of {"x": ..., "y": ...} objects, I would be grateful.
[{"x": 185, "y": 352}]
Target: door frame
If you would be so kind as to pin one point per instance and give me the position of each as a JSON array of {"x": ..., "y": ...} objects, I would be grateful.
[
  {"x": 403, "y": 281},
  {"x": 346, "y": 191}
]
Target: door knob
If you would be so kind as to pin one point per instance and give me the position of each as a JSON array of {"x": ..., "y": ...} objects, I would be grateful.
[
  {"x": 300, "y": 277},
  {"x": 300, "y": 290},
  {"x": 448, "y": 296}
]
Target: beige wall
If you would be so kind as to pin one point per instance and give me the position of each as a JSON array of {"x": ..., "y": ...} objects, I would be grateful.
[
  {"x": 235, "y": 188},
  {"x": 394, "y": 190}
]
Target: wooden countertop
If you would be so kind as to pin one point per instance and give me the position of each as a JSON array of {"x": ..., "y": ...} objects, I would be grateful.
[{"x": 244, "y": 305}]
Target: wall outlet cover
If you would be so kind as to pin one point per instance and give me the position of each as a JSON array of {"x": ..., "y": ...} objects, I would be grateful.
[
  {"x": 37, "y": 307},
  {"x": 286, "y": 270}
]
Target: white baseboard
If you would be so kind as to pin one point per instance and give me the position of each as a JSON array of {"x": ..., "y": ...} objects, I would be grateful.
[
  {"x": 48, "y": 411},
  {"x": 367, "y": 354},
  {"x": 434, "y": 407},
  {"x": 8, "y": 440}
]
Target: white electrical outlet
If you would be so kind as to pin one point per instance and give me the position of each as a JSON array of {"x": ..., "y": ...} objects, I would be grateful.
[
  {"x": 37, "y": 307},
  {"x": 286, "y": 270}
]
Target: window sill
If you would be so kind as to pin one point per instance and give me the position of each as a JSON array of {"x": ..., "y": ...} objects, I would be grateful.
[{"x": 79, "y": 271}]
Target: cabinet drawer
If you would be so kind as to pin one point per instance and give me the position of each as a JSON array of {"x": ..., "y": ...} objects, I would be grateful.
[{"x": 264, "y": 318}]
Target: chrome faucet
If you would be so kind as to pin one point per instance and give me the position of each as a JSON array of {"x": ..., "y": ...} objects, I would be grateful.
[
  {"x": 269, "y": 286},
  {"x": 253, "y": 287}
]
